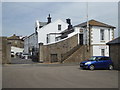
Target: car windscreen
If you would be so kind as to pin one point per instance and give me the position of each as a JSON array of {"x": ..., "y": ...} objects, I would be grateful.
[{"x": 92, "y": 59}]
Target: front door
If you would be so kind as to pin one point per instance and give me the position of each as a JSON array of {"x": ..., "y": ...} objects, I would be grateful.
[{"x": 81, "y": 39}]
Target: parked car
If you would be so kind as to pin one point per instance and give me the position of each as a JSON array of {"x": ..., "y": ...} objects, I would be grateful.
[
  {"x": 12, "y": 54},
  {"x": 26, "y": 56},
  {"x": 97, "y": 62}
]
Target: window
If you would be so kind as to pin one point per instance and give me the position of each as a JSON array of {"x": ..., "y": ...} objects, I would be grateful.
[
  {"x": 108, "y": 34},
  {"x": 102, "y": 34},
  {"x": 103, "y": 52},
  {"x": 107, "y": 58},
  {"x": 47, "y": 39},
  {"x": 59, "y": 27}
]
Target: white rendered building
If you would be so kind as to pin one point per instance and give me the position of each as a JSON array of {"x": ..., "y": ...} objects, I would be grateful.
[
  {"x": 48, "y": 33},
  {"x": 96, "y": 37}
]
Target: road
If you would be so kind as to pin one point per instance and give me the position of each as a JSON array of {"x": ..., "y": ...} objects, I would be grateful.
[{"x": 56, "y": 76}]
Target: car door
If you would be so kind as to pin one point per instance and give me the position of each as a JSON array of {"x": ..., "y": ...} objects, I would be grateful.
[
  {"x": 99, "y": 62},
  {"x": 106, "y": 61}
]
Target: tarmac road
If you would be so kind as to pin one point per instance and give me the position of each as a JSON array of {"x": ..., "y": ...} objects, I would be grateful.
[{"x": 56, "y": 76}]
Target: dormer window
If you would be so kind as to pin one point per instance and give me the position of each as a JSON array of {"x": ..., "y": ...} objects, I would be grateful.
[{"x": 59, "y": 26}]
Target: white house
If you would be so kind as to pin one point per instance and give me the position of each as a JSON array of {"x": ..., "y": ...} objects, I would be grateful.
[
  {"x": 96, "y": 37},
  {"x": 45, "y": 32},
  {"x": 48, "y": 33},
  {"x": 31, "y": 43}
]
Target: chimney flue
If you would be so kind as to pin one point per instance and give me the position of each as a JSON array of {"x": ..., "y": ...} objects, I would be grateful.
[
  {"x": 49, "y": 19},
  {"x": 69, "y": 22}
]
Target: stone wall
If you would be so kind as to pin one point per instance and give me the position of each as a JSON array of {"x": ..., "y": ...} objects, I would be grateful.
[
  {"x": 54, "y": 51},
  {"x": 5, "y": 51},
  {"x": 66, "y": 51},
  {"x": 0, "y": 50},
  {"x": 79, "y": 55},
  {"x": 114, "y": 54}
]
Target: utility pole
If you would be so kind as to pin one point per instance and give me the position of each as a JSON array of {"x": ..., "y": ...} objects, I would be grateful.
[{"x": 87, "y": 26}]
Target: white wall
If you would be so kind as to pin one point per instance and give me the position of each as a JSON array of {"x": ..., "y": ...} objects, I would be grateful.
[
  {"x": 30, "y": 41},
  {"x": 96, "y": 35},
  {"x": 50, "y": 28},
  {"x": 97, "y": 50},
  {"x": 97, "y": 44},
  {"x": 16, "y": 49},
  {"x": 26, "y": 45}
]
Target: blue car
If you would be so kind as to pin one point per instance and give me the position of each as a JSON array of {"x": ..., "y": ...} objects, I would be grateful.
[{"x": 97, "y": 62}]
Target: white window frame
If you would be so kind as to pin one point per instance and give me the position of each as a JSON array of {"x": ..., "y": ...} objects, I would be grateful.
[{"x": 102, "y": 35}]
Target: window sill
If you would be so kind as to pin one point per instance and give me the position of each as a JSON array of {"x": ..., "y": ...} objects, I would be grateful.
[{"x": 102, "y": 41}]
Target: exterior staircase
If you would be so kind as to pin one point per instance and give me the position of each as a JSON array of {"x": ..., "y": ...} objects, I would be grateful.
[{"x": 76, "y": 54}]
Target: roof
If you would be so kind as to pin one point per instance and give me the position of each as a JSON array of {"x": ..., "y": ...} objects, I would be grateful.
[
  {"x": 68, "y": 31},
  {"x": 115, "y": 41},
  {"x": 94, "y": 23},
  {"x": 14, "y": 37},
  {"x": 43, "y": 23}
]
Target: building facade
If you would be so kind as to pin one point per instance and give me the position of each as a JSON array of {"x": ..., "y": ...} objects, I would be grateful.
[
  {"x": 88, "y": 42},
  {"x": 49, "y": 32},
  {"x": 17, "y": 44},
  {"x": 95, "y": 37},
  {"x": 31, "y": 43},
  {"x": 16, "y": 41}
]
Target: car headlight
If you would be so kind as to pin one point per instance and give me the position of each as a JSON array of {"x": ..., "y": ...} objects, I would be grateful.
[{"x": 87, "y": 63}]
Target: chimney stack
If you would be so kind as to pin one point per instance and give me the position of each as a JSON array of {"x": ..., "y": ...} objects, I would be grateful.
[
  {"x": 49, "y": 19},
  {"x": 69, "y": 22}
]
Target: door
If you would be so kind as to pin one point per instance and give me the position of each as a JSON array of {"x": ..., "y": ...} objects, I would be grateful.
[
  {"x": 54, "y": 58},
  {"x": 81, "y": 39},
  {"x": 99, "y": 62}
]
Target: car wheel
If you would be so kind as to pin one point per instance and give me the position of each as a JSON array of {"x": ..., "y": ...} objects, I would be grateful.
[
  {"x": 110, "y": 67},
  {"x": 92, "y": 67}
]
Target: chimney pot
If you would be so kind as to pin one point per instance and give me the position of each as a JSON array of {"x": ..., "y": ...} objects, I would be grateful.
[{"x": 49, "y": 19}]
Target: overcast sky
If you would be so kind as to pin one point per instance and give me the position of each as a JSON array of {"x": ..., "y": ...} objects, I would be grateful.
[{"x": 19, "y": 18}]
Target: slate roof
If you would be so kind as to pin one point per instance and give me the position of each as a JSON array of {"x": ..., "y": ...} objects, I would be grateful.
[
  {"x": 67, "y": 31},
  {"x": 94, "y": 23},
  {"x": 43, "y": 23},
  {"x": 115, "y": 41}
]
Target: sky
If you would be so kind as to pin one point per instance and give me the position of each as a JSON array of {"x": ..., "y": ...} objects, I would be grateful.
[{"x": 19, "y": 17}]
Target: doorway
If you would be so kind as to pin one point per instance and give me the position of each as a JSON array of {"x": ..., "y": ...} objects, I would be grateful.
[
  {"x": 54, "y": 58},
  {"x": 81, "y": 39}
]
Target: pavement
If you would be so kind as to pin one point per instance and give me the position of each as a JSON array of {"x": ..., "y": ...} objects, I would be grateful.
[
  {"x": 21, "y": 61},
  {"x": 56, "y": 76}
]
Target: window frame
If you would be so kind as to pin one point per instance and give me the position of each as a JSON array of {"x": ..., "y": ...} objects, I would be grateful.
[
  {"x": 59, "y": 27},
  {"x": 103, "y": 52},
  {"x": 102, "y": 35}
]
